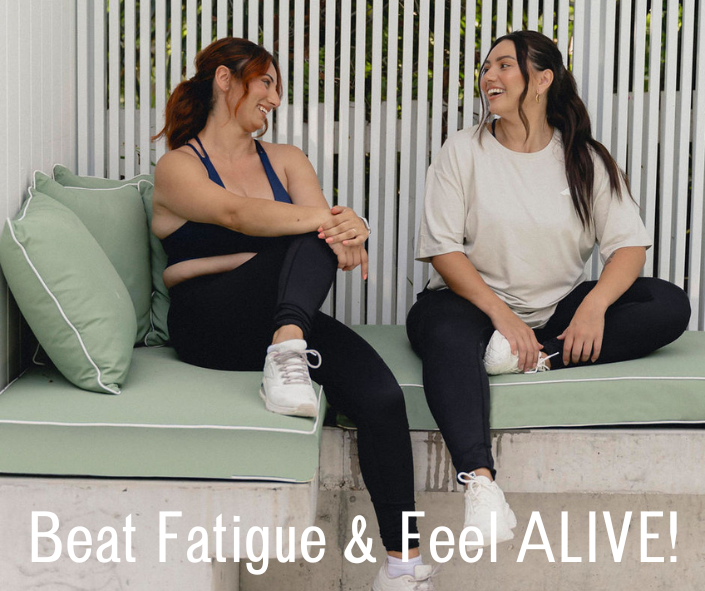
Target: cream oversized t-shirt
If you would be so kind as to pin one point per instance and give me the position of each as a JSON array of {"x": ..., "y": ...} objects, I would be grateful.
[{"x": 512, "y": 215}]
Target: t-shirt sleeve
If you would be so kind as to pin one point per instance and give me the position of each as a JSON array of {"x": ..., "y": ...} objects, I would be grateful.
[
  {"x": 617, "y": 220},
  {"x": 442, "y": 225}
]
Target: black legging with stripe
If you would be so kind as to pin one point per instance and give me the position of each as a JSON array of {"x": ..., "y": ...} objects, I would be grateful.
[
  {"x": 450, "y": 335},
  {"x": 226, "y": 321}
]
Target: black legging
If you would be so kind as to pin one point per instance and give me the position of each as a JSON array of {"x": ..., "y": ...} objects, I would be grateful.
[
  {"x": 450, "y": 335},
  {"x": 225, "y": 321}
]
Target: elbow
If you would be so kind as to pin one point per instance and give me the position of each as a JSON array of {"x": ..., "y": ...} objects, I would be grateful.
[{"x": 231, "y": 220}]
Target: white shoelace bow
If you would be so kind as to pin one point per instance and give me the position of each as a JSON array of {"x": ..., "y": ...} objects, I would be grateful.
[
  {"x": 474, "y": 486},
  {"x": 294, "y": 365},
  {"x": 541, "y": 364}
]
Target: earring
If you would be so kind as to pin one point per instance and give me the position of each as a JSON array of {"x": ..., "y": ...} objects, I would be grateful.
[{"x": 538, "y": 98}]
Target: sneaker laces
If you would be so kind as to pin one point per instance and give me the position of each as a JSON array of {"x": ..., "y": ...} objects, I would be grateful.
[
  {"x": 294, "y": 365},
  {"x": 541, "y": 364},
  {"x": 475, "y": 487}
]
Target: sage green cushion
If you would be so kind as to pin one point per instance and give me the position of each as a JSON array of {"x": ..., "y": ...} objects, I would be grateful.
[
  {"x": 116, "y": 218},
  {"x": 70, "y": 294},
  {"x": 158, "y": 333},
  {"x": 173, "y": 420},
  {"x": 65, "y": 177},
  {"x": 667, "y": 386}
]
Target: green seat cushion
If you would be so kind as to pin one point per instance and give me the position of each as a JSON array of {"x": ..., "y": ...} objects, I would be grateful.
[
  {"x": 158, "y": 333},
  {"x": 70, "y": 294},
  {"x": 173, "y": 420},
  {"x": 667, "y": 386},
  {"x": 116, "y": 218}
]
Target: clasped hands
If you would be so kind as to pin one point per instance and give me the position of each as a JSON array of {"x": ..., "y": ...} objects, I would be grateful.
[
  {"x": 582, "y": 339},
  {"x": 346, "y": 234}
]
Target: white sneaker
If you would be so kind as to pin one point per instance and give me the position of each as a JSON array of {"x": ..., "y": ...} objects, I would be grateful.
[
  {"x": 482, "y": 497},
  {"x": 499, "y": 358},
  {"x": 421, "y": 581},
  {"x": 286, "y": 386}
]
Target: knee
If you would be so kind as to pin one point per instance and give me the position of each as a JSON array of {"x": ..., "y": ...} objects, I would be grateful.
[
  {"x": 674, "y": 303},
  {"x": 673, "y": 309},
  {"x": 383, "y": 407}
]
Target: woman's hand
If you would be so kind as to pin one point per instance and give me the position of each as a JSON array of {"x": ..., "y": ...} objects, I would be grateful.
[
  {"x": 351, "y": 256},
  {"x": 582, "y": 340},
  {"x": 344, "y": 227},
  {"x": 522, "y": 339}
]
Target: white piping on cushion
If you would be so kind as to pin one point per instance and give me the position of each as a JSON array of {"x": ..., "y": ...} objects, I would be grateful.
[
  {"x": 26, "y": 205},
  {"x": 58, "y": 305},
  {"x": 53, "y": 178},
  {"x": 88, "y": 176},
  {"x": 311, "y": 431},
  {"x": 13, "y": 381},
  {"x": 156, "y": 426},
  {"x": 579, "y": 380},
  {"x": 613, "y": 379},
  {"x": 99, "y": 188},
  {"x": 616, "y": 424}
]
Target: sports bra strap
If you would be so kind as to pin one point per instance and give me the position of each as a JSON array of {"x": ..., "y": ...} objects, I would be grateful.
[
  {"x": 278, "y": 189},
  {"x": 206, "y": 161}
]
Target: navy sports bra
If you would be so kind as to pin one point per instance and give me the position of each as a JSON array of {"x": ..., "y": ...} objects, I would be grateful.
[{"x": 195, "y": 240}]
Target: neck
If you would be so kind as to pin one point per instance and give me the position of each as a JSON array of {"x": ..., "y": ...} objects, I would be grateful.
[
  {"x": 224, "y": 136},
  {"x": 511, "y": 133}
]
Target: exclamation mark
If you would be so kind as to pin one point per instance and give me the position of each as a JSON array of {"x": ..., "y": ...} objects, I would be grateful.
[{"x": 674, "y": 530}]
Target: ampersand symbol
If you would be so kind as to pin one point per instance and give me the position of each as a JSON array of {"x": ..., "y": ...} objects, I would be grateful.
[{"x": 358, "y": 527}]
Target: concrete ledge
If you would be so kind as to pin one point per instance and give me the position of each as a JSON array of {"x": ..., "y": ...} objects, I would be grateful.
[
  {"x": 99, "y": 503},
  {"x": 546, "y": 461}
]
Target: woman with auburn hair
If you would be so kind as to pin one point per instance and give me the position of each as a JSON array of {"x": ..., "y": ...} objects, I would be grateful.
[
  {"x": 253, "y": 249},
  {"x": 513, "y": 209}
]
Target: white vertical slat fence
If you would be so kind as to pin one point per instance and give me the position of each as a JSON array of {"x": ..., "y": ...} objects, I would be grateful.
[
  {"x": 39, "y": 54},
  {"x": 696, "y": 277},
  {"x": 388, "y": 81}
]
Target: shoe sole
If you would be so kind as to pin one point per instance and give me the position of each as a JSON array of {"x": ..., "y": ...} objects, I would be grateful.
[{"x": 302, "y": 410}]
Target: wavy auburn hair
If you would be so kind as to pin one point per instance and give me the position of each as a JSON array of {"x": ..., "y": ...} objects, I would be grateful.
[
  {"x": 192, "y": 100},
  {"x": 566, "y": 112}
]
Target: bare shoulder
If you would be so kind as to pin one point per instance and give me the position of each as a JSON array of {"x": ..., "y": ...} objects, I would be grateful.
[
  {"x": 284, "y": 154},
  {"x": 176, "y": 165}
]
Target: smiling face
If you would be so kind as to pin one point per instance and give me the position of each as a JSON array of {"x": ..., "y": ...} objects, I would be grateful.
[
  {"x": 502, "y": 82},
  {"x": 262, "y": 98}
]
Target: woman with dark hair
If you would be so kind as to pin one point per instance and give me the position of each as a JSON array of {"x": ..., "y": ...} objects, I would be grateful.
[
  {"x": 513, "y": 209},
  {"x": 253, "y": 249}
]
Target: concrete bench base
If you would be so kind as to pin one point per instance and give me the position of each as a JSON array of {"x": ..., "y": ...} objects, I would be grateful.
[
  {"x": 98, "y": 503},
  {"x": 545, "y": 471},
  {"x": 602, "y": 461}
]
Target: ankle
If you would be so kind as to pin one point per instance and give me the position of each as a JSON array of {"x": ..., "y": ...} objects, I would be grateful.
[
  {"x": 287, "y": 332},
  {"x": 483, "y": 472},
  {"x": 396, "y": 567},
  {"x": 413, "y": 553}
]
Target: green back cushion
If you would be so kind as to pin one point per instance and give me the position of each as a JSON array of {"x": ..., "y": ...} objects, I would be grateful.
[
  {"x": 158, "y": 333},
  {"x": 116, "y": 219},
  {"x": 65, "y": 177},
  {"x": 70, "y": 294},
  {"x": 160, "y": 295}
]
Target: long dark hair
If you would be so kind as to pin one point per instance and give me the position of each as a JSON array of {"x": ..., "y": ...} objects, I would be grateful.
[
  {"x": 566, "y": 112},
  {"x": 190, "y": 102}
]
